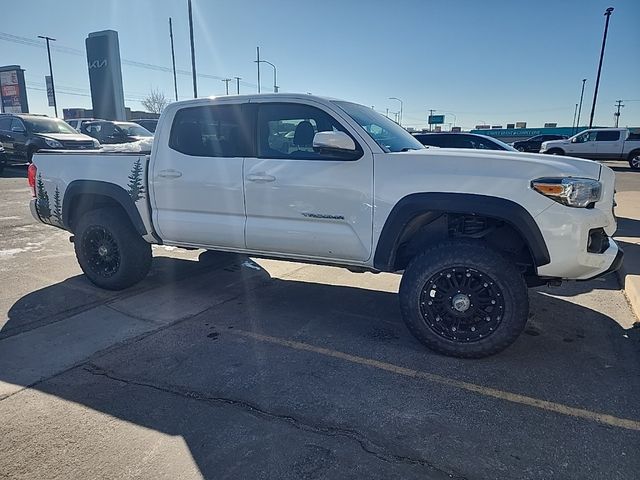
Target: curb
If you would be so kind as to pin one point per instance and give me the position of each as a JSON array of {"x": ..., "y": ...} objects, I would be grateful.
[{"x": 631, "y": 286}]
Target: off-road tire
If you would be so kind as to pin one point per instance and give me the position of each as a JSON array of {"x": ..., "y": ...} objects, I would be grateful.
[
  {"x": 471, "y": 256},
  {"x": 127, "y": 258}
]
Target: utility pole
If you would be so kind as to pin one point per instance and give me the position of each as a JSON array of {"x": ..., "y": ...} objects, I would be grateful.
[
  {"x": 193, "y": 53},
  {"x": 226, "y": 83},
  {"x": 173, "y": 60},
  {"x": 53, "y": 89},
  {"x": 618, "y": 105},
  {"x": 607, "y": 14},
  {"x": 237, "y": 84},
  {"x": 401, "y": 107},
  {"x": 258, "y": 63},
  {"x": 584, "y": 80},
  {"x": 573, "y": 125},
  {"x": 430, "y": 115}
]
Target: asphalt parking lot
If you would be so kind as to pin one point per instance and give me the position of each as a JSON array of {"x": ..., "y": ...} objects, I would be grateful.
[{"x": 220, "y": 366}]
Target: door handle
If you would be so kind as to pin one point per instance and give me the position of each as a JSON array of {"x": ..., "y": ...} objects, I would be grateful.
[
  {"x": 169, "y": 173},
  {"x": 260, "y": 178}
]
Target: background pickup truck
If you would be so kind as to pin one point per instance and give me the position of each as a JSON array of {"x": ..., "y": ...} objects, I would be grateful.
[
  {"x": 599, "y": 144},
  {"x": 318, "y": 180}
]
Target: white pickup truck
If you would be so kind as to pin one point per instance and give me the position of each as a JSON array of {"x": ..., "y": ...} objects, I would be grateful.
[
  {"x": 599, "y": 144},
  {"x": 303, "y": 178}
]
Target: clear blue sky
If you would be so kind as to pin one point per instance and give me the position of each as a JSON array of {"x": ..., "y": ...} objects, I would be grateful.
[{"x": 484, "y": 61}]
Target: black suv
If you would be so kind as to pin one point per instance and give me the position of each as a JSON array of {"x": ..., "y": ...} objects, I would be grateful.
[
  {"x": 461, "y": 140},
  {"x": 534, "y": 144},
  {"x": 22, "y": 135}
]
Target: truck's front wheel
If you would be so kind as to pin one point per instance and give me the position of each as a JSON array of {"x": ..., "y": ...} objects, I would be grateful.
[
  {"x": 109, "y": 250},
  {"x": 464, "y": 299}
]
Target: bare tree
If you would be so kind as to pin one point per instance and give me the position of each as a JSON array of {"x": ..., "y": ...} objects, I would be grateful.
[{"x": 155, "y": 101}]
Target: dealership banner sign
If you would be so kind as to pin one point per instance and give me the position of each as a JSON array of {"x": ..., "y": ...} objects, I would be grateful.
[{"x": 12, "y": 90}]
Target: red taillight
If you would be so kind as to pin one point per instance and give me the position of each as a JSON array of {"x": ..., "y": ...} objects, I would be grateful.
[{"x": 32, "y": 172}]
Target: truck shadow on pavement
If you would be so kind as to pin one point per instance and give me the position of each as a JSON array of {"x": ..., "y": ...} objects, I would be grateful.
[{"x": 249, "y": 409}]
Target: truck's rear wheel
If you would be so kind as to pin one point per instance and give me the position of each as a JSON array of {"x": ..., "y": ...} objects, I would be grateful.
[
  {"x": 464, "y": 299},
  {"x": 109, "y": 250},
  {"x": 634, "y": 160}
]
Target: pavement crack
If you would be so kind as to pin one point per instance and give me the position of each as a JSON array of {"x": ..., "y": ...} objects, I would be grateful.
[{"x": 368, "y": 446}]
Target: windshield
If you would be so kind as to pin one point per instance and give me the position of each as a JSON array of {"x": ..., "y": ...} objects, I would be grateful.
[
  {"x": 134, "y": 130},
  {"x": 48, "y": 125},
  {"x": 389, "y": 135},
  {"x": 504, "y": 146}
]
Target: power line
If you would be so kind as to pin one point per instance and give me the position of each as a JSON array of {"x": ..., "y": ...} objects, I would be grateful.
[{"x": 132, "y": 63}]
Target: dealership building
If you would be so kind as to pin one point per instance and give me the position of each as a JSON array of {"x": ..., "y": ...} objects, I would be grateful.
[{"x": 514, "y": 134}]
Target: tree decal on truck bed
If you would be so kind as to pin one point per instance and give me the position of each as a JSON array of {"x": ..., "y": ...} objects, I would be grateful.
[
  {"x": 57, "y": 207},
  {"x": 136, "y": 187},
  {"x": 42, "y": 204}
]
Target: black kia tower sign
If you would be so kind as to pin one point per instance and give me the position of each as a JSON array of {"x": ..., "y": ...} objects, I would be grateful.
[{"x": 105, "y": 75}]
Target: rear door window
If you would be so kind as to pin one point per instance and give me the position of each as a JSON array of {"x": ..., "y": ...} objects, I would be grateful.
[
  {"x": 212, "y": 131},
  {"x": 608, "y": 136},
  {"x": 5, "y": 123}
]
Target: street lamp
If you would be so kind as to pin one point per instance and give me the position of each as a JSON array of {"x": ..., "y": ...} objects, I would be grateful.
[
  {"x": 53, "y": 90},
  {"x": 275, "y": 78},
  {"x": 584, "y": 80},
  {"x": 607, "y": 13},
  {"x": 399, "y": 118}
]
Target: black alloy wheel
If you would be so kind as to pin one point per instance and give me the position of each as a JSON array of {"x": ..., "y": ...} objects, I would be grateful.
[
  {"x": 101, "y": 250},
  {"x": 462, "y": 304}
]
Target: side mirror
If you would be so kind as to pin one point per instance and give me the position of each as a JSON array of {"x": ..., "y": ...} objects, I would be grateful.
[
  {"x": 574, "y": 140},
  {"x": 334, "y": 141},
  {"x": 17, "y": 129}
]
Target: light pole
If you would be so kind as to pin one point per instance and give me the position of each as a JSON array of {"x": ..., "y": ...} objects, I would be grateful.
[
  {"x": 455, "y": 118},
  {"x": 400, "y": 118},
  {"x": 275, "y": 78},
  {"x": 607, "y": 13},
  {"x": 573, "y": 125},
  {"x": 584, "y": 80},
  {"x": 173, "y": 59},
  {"x": 193, "y": 52},
  {"x": 53, "y": 89}
]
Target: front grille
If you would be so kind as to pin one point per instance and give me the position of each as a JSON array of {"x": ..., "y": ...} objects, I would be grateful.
[{"x": 77, "y": 144}]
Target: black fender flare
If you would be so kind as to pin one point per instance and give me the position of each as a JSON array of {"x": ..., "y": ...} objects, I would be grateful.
[
  {"x": 105, "y": 189},
  {"x": 433, "y": 202}
]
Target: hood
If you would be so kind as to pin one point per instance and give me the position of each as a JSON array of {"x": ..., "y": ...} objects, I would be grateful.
[
  {"x": 512, "y": 164},
  {"x": 73, "y": 137},
  {"x": 557, "y": 142}
]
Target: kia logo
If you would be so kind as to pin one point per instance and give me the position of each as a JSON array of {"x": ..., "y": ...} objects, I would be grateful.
[{"x": 98, "y": 63}]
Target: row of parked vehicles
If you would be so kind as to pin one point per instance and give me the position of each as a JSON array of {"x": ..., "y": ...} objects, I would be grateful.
[
  {"x": 593, "y": 144},
  {"x": 22, "y": 135}
]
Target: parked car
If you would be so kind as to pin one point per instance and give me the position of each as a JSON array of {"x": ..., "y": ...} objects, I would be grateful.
[
  {"x": 533, "y": 144},
  {"x": 3, "y": 158},
  {"x": 110, "y": 132},
  {"x": 599, "y": 144},
  {"x": 22, "y": 135},
  {"x": 77, "y": 123},
  {"x": 351, "y": 189},
  {"x": 148, "y": 123},
  {"x": 462, "y": 140}
]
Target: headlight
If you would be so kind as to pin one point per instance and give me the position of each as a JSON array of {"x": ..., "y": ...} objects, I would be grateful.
[
  {"x": 52, "y": 143},
  {"x": 573, "y": 192},
  {"x": 96, "y": 144}
]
